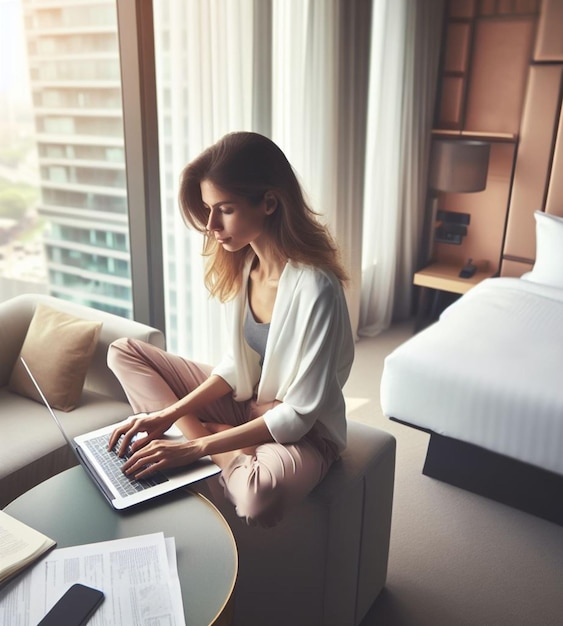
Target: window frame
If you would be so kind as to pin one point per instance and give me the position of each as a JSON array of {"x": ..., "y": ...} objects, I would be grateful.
[{"x": 140, "y": 126}]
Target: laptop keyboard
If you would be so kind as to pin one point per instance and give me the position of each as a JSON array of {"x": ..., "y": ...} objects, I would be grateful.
[{"x": 112, "y": 465}]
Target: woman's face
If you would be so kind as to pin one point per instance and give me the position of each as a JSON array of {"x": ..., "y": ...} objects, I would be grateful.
[{"x": 233, "y": 220}]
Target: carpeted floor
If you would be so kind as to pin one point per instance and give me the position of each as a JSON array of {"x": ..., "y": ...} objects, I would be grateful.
[{"x": 456, "y": 558}]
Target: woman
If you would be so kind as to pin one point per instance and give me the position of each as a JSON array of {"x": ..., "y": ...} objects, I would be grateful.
[{"x": 271, "y": 414}]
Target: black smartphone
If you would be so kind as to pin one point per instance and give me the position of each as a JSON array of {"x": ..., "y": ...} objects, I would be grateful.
[{"x": 75, "y": 607}]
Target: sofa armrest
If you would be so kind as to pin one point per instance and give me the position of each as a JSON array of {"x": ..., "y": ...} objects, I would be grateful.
[{"x": 16, "y": 315}]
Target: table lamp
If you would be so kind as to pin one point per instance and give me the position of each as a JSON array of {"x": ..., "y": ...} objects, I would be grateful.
[
  {"x": 459, "y": 166},
  {"x": 456, "y": 166}
]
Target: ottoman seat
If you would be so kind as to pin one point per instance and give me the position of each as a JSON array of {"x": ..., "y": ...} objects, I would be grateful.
[{"x": 325, "y": 563}]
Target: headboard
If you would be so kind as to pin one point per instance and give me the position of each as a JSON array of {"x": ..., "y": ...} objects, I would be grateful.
[{"x": 538, "y": 171}]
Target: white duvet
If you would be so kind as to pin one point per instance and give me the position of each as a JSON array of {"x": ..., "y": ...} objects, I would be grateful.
[{"x": 489, "y": 372}]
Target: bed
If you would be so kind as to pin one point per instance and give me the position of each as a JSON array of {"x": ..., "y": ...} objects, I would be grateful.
[{"x": 486, "y": 381}]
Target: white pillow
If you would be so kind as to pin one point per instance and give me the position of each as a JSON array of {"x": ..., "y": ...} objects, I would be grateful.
[{"x": 548, "y": 267}]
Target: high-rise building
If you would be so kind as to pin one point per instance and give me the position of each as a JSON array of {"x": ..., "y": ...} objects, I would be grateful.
[{"x": 75, "y": 81}]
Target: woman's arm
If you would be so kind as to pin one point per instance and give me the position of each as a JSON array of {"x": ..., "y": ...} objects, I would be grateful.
[
  {"x": 221, "y": 446},
  {"x": 155, "y": 424},
  {"x": 236, "y": 438},
  {"x": 151, "y": 453},
  {"x": 210, "y": 390}
]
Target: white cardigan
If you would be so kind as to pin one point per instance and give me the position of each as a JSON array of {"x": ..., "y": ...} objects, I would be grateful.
[{"x": 308, "y": 358}]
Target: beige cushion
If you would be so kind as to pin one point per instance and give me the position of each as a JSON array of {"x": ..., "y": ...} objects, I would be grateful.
[{"x": 58, "y": 348}]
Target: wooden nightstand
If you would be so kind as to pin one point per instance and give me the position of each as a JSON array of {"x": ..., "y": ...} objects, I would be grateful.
[{"x": 441, "y": 278}]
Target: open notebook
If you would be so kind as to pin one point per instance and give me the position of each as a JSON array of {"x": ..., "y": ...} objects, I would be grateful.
[{"x": 104, "y": 466}]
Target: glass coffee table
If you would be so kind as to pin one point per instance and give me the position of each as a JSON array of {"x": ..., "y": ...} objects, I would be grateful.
[{"x": 71, "y": 510}]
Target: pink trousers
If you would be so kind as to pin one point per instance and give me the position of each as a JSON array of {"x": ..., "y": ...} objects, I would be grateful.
[{"x": 261, "y": 485}]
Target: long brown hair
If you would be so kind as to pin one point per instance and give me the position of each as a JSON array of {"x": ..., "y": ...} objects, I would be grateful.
[{"x": 249, "y": 165}]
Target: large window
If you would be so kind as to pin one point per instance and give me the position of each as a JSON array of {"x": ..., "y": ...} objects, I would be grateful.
[
  {"x": 63, "y": 199},
  {"x": 95, "y": 85},
  {"x": 190, "y": 72}
]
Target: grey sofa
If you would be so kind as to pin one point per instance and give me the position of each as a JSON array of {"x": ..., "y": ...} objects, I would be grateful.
[{"x": 33, "y": 449}]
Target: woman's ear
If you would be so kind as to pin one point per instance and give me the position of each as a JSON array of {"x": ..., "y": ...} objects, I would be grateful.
[{"x": 271, "y": 202}]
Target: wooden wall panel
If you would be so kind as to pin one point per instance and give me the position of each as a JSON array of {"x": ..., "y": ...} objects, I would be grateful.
[
  {"x": 462, "y": 8},
  {"x": 488, "y": 213},
  {"x": 549, "y": 39},
  {"x": 488, "y": 7},
  {"x": 458, "y": 42},
  {"x": 514, "y": 269},
  {"x": 502, "y": 81},
  {"x": 539, "y": 123},
  {"x": 502, "y": 51},
  {"x": 527, "y": 6},
  {"x": 554, "y": 203},
  {"x": 451, "y": 103}
]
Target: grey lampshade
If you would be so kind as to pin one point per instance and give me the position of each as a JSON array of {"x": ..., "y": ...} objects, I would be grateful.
[{"x": 459, "y": 166}]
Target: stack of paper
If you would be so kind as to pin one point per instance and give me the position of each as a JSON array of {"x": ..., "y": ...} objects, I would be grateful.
[
  {"x": 20, "y": 546},
  {"x": 138, "y": 575}
]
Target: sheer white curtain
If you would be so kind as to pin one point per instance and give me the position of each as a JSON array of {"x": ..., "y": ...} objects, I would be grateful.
[
  {"x": 368, "y": 182},
  {"x": 304, "y": 110},
  {"x": 319, "y": 72},
  {"x": 211, "y": 87},
  {"x": 354, "y": 124},
  {"x": 405, "y": 39},
  {"x": 219, "y": 64}
]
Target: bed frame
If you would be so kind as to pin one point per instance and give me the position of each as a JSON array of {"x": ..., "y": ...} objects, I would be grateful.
[{"x": 495, "y": 476}]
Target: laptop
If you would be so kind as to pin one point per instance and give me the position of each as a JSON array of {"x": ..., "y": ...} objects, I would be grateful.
[{"x": 104, "y": 466}]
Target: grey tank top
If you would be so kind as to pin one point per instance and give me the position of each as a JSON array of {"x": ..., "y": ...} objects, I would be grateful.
[{"x": 255, "y": 333}]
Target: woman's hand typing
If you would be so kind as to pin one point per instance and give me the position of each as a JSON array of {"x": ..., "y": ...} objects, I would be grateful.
[
  {"x": 153, "y": 425},
  {"x": 159, "y": 455}
]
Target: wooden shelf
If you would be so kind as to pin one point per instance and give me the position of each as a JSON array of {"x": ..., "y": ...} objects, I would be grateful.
[
  {"x": 475, "y": 135},
  {"x": 445, "y": 277}
]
